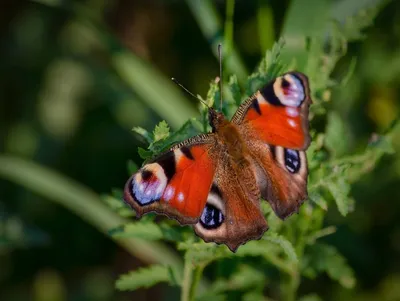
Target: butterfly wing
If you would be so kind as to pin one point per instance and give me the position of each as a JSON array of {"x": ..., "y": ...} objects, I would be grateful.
[
  {"x": 232, "y": 214},
  {"x": 274, "y": 123},
  {"x": 177, "y": 183},
  {"x": 281, "y": 176},
  {"x": 278, "y": 112}
]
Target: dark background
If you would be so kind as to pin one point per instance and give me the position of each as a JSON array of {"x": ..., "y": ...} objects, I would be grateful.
[{"x": 66, "y": 105}]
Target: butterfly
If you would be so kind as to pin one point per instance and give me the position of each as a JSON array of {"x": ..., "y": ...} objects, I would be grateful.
[{"x": 215, "y": 181}]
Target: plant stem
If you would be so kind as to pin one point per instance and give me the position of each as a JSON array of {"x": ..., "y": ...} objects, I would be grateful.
[
  {"x": 289, "y": 287},
  {"x": 191, "y": 279},
  {"x": 210, "y": 24}
]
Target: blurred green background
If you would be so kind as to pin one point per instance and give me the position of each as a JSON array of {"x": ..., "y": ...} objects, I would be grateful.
[{"x": 76, "y": 76}]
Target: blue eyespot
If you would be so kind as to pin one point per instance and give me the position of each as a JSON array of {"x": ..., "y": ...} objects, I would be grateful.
[
  {"x": 212, "y": 217},
  {"x": 292, "y": 160}
]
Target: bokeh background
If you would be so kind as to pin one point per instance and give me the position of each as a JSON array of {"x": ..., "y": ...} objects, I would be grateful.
[{"x": 76, "y": 76}]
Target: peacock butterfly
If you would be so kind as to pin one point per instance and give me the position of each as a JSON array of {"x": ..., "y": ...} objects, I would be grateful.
[{"x": 215, "y": 181}]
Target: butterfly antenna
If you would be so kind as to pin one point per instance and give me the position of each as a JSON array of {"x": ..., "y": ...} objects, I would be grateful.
[
  {"x": 220, "y": 72},
  {"x": 188, "y": 92}
]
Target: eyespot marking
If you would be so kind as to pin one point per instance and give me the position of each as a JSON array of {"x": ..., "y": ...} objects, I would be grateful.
[
  {"x": 146, "y": 175},
  {"x": 212, "y": 217},
  {"x": 289, "y": 90},
  {"x": 292, "y": 160},
  {"x": 147, "y": 186}
]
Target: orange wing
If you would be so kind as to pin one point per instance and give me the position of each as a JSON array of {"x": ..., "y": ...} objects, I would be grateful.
[
  {"x": 177, "y": 183},
  {"x": 278, "y": 112}
]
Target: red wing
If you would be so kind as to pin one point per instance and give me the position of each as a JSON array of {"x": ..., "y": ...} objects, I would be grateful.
[
  {"x": 177, "y": 183},
  {"x": 278, "y": 112}
]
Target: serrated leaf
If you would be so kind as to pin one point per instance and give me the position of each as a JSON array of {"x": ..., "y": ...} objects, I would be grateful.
[
  {"x": 161, "y": 131},
  {"x": 144, "y": 277},
  {"x": 213, "y": 93},
  {"x": 340, "y": 192},
  {"x": 143, "y": 133},
  {"x": 286, "y": 245},
  {"x": 324, "y": 258},
  {"x": 354, "y": 25},
  {"x": 189, "y": 129},
  {"x": 118, "y": 205},
  {"x": 318, "y": 199},
  {"x": 140, "y": 229},
  {"x": 175, "y": 278},
  {"x": 201, "y": 253},
  {"x": 144, "y": 154},
  {"x": 381, "y": 144},
  {"x": 269, "y": 68},
  {"x": 235, "y": 90},
  {"x": 336, "y": 133},
  {"x": 244, "y": 278}
]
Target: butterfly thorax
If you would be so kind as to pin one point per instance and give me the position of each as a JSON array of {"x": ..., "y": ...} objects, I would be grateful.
[{"x": 229, "y": 136}]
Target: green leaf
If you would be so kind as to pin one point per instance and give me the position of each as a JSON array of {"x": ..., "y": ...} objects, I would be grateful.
[
  {"x": 143, "y": 133},
  {"x": 143, "y": 278},
  {"x": 320, "y": 258},
  {"x": 353, "y": 25},
  {"x": 245, "y": 277},
  {"x": 336, "y": 140},
  {"x": 161, "y": 131},
  {"x": 213, "y": 93},
  {"x": 318, "y": 199},
  {"x": 286, "y": 245},
  {"x": 269, "y": 68},
  {"x": 201, "y": 254},
  {"x": 140, "y": 229},
  {"x": 144, "y": 154},
  {"x": 340, "y": 191},
  {"x": 235, "y": 90},
  {"x": 118, "y": 205}
]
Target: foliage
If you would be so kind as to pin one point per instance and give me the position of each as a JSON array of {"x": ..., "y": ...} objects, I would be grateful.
[{"x": 289, "y": 249}]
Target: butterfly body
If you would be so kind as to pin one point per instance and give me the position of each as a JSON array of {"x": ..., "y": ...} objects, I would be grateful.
[{"x": 215, "y": 181}]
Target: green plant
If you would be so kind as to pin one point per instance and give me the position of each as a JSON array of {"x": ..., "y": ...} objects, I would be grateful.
[{"x": 290, "y": 250}]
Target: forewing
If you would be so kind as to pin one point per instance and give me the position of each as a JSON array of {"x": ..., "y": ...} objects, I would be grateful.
[
  {"x": 177, "y": 183},
  {"x": 278, "y": 112}
]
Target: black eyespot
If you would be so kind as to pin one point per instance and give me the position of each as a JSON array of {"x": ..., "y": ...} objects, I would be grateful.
[
  {"x": 292, "y": 160},
  {"x": 211, "y": 218},
  {"x": 285, "y": 84},
  {"x": 146, "y": 175}
]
